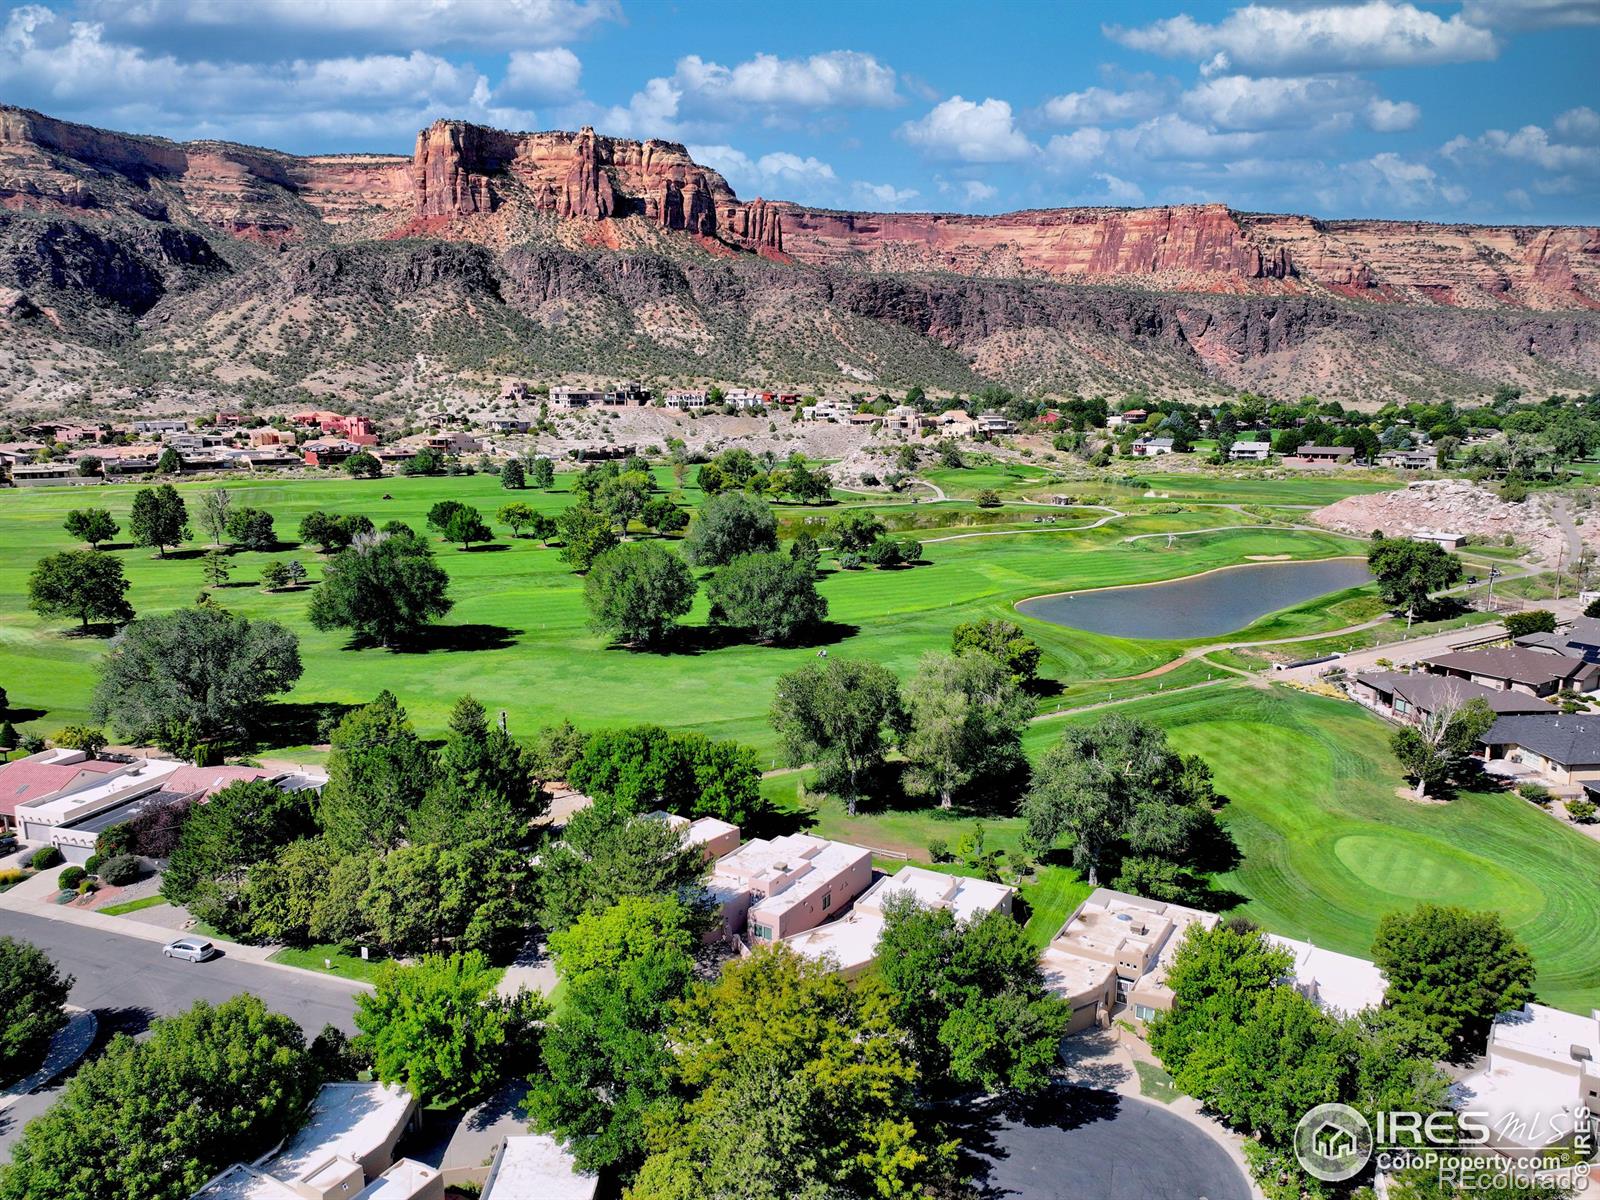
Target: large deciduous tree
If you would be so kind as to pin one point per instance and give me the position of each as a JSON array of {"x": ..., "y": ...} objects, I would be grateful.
[
  {"x": 154, "y": 1119},
  {"x": 1438, "y": 746},
  {"x": 644, "y": 767},
  {"x": 439, "y": 1028},
  {"x": 92, "y": 525},
  {"x": 605, "y": 856},
  {"x": 32, "y": 993},
  {"x": 1115, "y": 788},
  {"x": 81, "y": 584},
  {"x": 606, "y": 1061},
  {"x": 728, "y": 525},
  {"x": 194, "y": 678},
  {"x": 770, "y": 596},
  {"x": 458, "y": 522},
  {"x": 841, "y": 716},
  {"x": 586, "y": 534},
  {"x": 1003, "y": 641},
  {"x": 635, "y": 593},
  {"x": 159, "y": 518},
  {"x": 1409, "y": 572},
  {"x": 214, "y": 507},
  {"x": 965, "y": 716},
  {"x": 1453, "y": 971},
  {"x": 385, "y": 588},
  {"x": 251, "y": 529}
]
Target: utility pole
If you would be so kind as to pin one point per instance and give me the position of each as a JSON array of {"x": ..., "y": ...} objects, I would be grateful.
[{"x": 1560, "y": 550}]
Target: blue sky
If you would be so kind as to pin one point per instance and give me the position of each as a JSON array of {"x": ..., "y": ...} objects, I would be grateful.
[{"x": 1478, "y": 110}]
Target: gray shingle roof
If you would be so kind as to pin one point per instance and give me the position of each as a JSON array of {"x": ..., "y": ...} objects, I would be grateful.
[
  {"x": 1570, "y": 741},
  {"x": 1426, "y": 691},
  {"x": 1518, "y": 664}
]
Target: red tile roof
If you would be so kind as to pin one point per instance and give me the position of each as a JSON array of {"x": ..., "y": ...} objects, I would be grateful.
[
  {"x": 186, "y": 781},
  {"x": 24, "y": 780}
]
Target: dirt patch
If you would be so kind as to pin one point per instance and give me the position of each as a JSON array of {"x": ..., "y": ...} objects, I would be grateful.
[{"x": 1447, "y": 506}]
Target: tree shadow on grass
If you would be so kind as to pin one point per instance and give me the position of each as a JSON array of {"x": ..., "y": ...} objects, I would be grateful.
[
  {"x": 19, "y": 715},
  {"x": 182, "y": 555},
  {"x": 294, "y": 723},
  {"x": 95, "y": 629},
  {"x": 460, "y": 637},
  {"x": 692, "y": 640},
  {"x": 483, "y": 548}
]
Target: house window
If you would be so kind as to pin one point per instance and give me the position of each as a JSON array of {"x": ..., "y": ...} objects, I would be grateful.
[
  {"x": 827, "y": 901},
  {"x": 760, "y": 933},
  {"x": 1143, "y": 1011}
]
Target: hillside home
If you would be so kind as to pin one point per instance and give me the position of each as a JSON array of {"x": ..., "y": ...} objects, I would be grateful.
[
  {"x": 1328, "y": 456},
  {"x": 686, "y": 401},
  {"x": 344, "y": 1151},
  {"x": 564, "y": 397},
  {"x": 830, "y": 411},
  {"x": 1149, "y": 447},
  {"x": 1411, "y": 698},
  {"x": 50, "y": 474},
  {"x": 907, "y": 418},
  {"x": 1133, "y": 416},
  {"x": 773, "y": 888},
  {"x": 993, "y": 422},
  {"x": 327, "y": 453},
  {"x": 956, "y": 421},
  {"x": 1249, "y": 451},
  {"x": 454, "y": 441},
  {"x": 1538, "y": 1072},
  {"x": 1564, "y": 750},
  {"x": 1409, "y": 460},
  {"x": 851, "y": 942},
  {"x": 1518, "y": 668},
  {"x": 161, "y": 425}
]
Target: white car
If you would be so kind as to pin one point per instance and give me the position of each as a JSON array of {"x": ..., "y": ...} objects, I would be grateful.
[{"x": 190, "y": 949}]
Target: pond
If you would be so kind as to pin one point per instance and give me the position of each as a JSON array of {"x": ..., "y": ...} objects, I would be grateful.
[{"x": 1196, "y": 606}]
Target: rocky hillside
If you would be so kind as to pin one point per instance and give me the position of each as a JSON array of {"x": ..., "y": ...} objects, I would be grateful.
[{"x": 133, "y": 266}]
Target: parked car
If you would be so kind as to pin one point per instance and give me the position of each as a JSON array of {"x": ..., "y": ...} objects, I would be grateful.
[{"x": 190, "y": 949}]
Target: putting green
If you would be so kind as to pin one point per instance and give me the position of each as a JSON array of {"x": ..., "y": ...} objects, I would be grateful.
[{"x": 1412, "y": 867}]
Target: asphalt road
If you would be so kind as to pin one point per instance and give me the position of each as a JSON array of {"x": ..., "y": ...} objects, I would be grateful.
[{"x": 128, "y": 982}]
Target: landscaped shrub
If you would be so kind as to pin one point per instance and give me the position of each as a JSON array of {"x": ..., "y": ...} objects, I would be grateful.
[
  {"x": 938, "y": 850},
  {"x": 1581, "y": 811},
  {"x": 11, "y": 876},
  {"x": 850, "y": 561},
  {"x": 44, "y": 858},
  {"x": 92, "y": 863},
  {"x": 1535, "y": 792},
  {"x": 87, "y": 885},
  {"x": 114, "y": 839},
  {"x": 122, "y": 869},
  {"x": 72, "y": 877}
]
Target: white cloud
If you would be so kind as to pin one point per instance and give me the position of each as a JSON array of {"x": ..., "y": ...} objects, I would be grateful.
[
  {"x": 1387, "y": 181},
  {"x": 1097, "y": 105},
  {"x": 1391, "y": 116},
  {"x": 1265, "y": 39},
  {"x": 884, "y": 195},
  {"x": 1078, "y": 148},
  {"x": 1532, "y": 14},
  {"x": 408, "y": 24},
  {"x": 776, "y": 167},
  {"x": 546, "y": 73},
  {"x": 1530, "y": 144},
  {"x": 1172, "y": 137},
  {"x": 962, "y": 130},
  {"x": 975, "y": 191},
  {"x": 1120, "y": 191},
  {"x": 837, "y": 79},
  {"x": 1581, "y": 124},
  {"x": 1245, "y": 102}
]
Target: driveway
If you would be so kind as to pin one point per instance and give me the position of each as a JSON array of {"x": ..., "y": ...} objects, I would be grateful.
[{"x": 1077, "y": 1143}]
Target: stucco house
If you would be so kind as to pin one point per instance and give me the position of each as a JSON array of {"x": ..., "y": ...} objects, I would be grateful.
[
  {"x": 1538, "y": 1072},
  {"x": 773, "y": 888},
  {"x": 1563, "y": 749}
]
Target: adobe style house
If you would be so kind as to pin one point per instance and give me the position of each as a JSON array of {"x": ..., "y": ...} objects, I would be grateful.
[
  {"x": 534, "y": 1166},
  {"x": 1112, "y": 957},
  {"x": 346, "y": 1149},
  {"x": 1539, "y": 1070},
  {"x": 1518, "y": 668},
  {"x": 773, "y": 888},
  {"x": 1563, "y": 749},
  {"x": 712, "y": 834},
  {"x": 1409, "y": 460},
  {"x": 1411, "y": 698},
  {"x": 851, "y": 942}
]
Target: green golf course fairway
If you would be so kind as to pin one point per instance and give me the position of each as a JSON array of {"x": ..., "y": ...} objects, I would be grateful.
[
  {"x": 518, "y": 637},
  {"x": 1328, "y": 847}
]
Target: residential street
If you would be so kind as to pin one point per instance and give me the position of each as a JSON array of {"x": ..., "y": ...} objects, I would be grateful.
[{"x": 127, "y": 981}]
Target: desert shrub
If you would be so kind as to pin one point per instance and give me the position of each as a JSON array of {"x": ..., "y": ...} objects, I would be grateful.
[
  {"x": 123, "y": 869},
  {"x": 72, "y": 877},
  {"x": 1581, "y": 811},
  {"x": 44, "y": 858}
]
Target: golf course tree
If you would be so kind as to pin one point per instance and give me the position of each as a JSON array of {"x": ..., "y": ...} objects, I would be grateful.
[
  {"x": 251, "y": 529},
  {"x": 426, "y": 461},
  {"x": 586, "y": 534},
  {"x": 1534, "y": 620},
  {"x": 213, "y": 509},
  {"x": 363, "y": 464},
  {"x": 1409, "y": 572},
  {"x": 852, "y": 531},
  {"x": 379, "y": 771},
  {"x": 636, "y": 592},
  {"x": 661, "y": 516},
  {"x": 623, "y": 497},
  {"x": 194, "y": 681},
  {"x": 170, "y": 462},
  {"x": 236, "y": 828},
  {"x": 770, "y": 597},
  {"x": 154, "y": 1119},
  {"x": 82, "y": 584},
  {"x": 214, "y": 568},
  {"x": 971, "y": 997},
  {"x": 964, "y": 721},
  {"x": 331, "y": 532},
  {"x": 728, "y": 525},
  {"x": 159, "y": 518},
  {"x": 841, "y": 716},
  {"x": 1004, "y": 642},
  {"x": 541, "y": 473},
  {"x": 519, "y": 516},
  {"x": 605, "y": 1062},
  {"x": 606, "y": 855},
  {"x": 1116, "y": 789},
  {"x": 439, "y": 1029},
  {"x": 1453, "y": 971},
  {"x": 798, "y": 1083},
  {"x": 512, "y": 476},
  {"x": 385, "y": 588},
  {"x": 92, "y": 525},
  {"x": 458, "y": 522},
  {"x": 32, "y": 995},
  {"x": 1439, "y": 746},
  {"x": 641, "y": 768},
  {"x": 483, "y": 785}
]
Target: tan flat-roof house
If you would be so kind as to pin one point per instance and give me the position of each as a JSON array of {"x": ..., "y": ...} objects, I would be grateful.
[
  {"x": 1540, "y": 1069},
  {"x": 773, "y": 888},
  {"x": 712, "y": 834},
  {"x": 1337, "y": 456}
]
